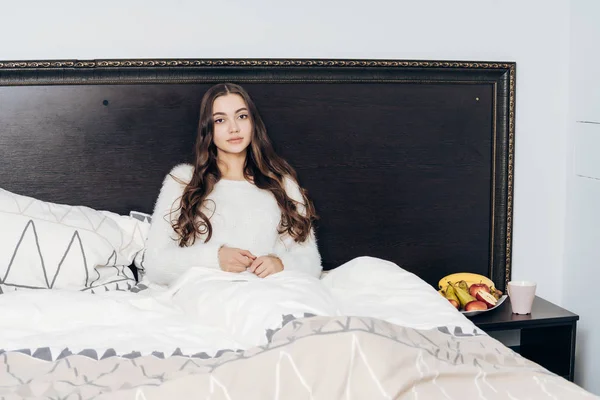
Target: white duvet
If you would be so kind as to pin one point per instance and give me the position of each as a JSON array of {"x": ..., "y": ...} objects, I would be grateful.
[{"x": 207, "y": 310}]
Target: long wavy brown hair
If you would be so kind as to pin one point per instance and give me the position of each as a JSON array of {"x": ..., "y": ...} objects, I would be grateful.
[{"x": 263, "y": 167}]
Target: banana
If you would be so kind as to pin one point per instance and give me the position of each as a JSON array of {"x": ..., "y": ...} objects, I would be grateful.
[{"x": 468, "y": 277}]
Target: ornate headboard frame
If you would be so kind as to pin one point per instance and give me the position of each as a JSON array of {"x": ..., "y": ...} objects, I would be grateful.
[{"x": 411, "y": 161}]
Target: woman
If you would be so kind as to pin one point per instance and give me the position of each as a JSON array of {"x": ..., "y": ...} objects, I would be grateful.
[{"x": 238, "y": 208}]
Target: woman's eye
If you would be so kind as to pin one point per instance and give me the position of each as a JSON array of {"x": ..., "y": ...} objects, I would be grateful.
[
  {"x": 243, "y": 116},
  {"x": 218, "y": 120}
]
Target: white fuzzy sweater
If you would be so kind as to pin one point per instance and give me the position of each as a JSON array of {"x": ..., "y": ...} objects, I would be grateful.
[{"x": 244, "y": 216}]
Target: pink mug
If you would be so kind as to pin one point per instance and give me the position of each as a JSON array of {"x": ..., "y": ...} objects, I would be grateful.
[{"x": 521, "y": 295}]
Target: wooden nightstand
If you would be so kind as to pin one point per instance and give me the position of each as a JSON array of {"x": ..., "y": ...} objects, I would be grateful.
[{"x": 547, "y": 334}]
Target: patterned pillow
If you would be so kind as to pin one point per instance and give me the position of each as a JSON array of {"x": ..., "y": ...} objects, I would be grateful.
[
  {"x": 141, "y": 216},
  {"x": 54, "y": 246},
  {"x": 138, "y": 262}
]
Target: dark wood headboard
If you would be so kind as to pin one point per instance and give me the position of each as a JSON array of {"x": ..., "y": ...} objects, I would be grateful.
[{"x": 410, "y": 161}]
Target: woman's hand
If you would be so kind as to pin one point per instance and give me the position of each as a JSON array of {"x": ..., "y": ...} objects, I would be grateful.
[
  {"x": 266, "y": 265},
  {"x": 232, "y": 259}
]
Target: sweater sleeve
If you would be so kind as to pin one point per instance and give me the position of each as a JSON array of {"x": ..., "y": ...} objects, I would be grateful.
[
  {"x": 303, "y": 257},
  {"x": 164, "y": 260}
]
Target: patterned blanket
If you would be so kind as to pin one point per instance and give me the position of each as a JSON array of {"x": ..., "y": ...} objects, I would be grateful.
[{"x": 309, "y": 358}]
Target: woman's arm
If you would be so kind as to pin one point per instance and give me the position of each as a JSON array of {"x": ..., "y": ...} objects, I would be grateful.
[
  {"x": 296, "y": 256},
  {"x": 164, "y": 260}
]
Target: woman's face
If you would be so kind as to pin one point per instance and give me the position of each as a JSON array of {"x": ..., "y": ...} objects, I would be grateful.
[{"x": 232, "y": 124}]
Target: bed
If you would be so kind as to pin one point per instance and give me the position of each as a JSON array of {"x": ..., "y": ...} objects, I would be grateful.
[{"x": 410, "y": 166}]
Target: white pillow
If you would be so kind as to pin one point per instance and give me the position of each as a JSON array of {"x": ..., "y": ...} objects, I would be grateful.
[{"x": 54, "y": 246}]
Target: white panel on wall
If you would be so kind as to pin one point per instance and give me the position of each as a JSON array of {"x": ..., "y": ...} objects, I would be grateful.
[
  {"x": 581, "y": 276},
  {"x": 587, "y": 150},
  {"x": 582, "y": 236}
]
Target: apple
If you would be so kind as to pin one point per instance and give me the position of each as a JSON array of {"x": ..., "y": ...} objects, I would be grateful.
[
  {"x": 475, "y": 305},
  {"x": 487, "y": 298},
  {"x": 454, "y": 303},
  {"x": 476, "y": 287}
]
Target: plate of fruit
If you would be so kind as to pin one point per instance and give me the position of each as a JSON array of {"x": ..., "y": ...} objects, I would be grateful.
[{"x": 471, "y": 294}]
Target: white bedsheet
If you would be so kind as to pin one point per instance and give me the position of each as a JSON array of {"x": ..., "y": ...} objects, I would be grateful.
[
  {"x": 371, "y": 287},
  {"x": 207, "y": 310}
]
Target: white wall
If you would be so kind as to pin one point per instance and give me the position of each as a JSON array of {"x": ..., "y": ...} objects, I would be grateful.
[
  {"x": 430, "y": 30},
  {"x": 582, "y": 254}
]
